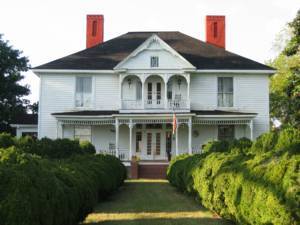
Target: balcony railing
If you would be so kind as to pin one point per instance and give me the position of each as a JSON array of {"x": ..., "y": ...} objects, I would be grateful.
[{"x": 156, "y": 104}]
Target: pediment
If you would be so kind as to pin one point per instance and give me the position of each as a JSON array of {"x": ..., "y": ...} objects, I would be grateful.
[{"x": 154, "y": 46}]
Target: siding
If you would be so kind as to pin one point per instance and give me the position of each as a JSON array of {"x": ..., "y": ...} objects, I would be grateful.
[
  {"x": 251, "y": 94},
  {"x": 57, "y": 95}
]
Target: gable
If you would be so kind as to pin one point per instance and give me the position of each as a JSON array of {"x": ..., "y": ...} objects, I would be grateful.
[{"x": 154, "y": 46}]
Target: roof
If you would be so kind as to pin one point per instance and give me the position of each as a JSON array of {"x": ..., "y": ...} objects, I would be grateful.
[
  {"x": 110, "y": 113},
  {"x": 27, "y": 119},
  {"x": 200, "y": 54},
  {"x": 219, "y": 112}
]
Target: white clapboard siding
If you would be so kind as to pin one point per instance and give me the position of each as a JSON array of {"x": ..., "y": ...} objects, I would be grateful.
[
  {"x": 58, "y": 95},
  {"x": 251, "y": 94},
  {"x": 203, "y": 93},
  {"x": 107, "y": 92}
]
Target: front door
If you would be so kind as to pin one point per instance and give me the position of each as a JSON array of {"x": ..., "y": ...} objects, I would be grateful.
[
  {"x": 153, "y": 144},
  {"x": 154, "y": 95}
]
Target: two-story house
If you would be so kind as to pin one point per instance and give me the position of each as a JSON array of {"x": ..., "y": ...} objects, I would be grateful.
[{"x": 121, "y": 94}]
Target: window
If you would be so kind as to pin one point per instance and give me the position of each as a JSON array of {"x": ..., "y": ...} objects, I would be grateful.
[
  {"x": 158, "y": 90},
  {"x": 157, "y": 152},
  {"x": 225, "y": 91},
  {"x": 94, "y": 28},
  {"x": 149, "y": 143},
  {"x": 215, "y": 29},
  {"x": 225, "y": 132},
  {"x": 149, "y": 91},
  {"x": 83, "y": 92},
  {"x": 139, "y": 90},
  {"x": 154, "y": 61},
  {"x": 138, "y": 141},
  {"x": 83, "y": 133}
]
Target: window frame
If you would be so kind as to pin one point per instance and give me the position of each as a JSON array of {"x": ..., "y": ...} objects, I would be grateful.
[
  {"x": 233, "y": 92},
  {"x": 86, "y": 127},
  {"x": 154, "y": 62},
  {"x": 226, "y": 137},
  {"x": 92, "y": 92}
]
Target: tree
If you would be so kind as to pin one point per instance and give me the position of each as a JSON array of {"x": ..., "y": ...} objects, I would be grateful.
[
  {"x": 12, "y": 103},
  {"x": 34, "y": 108},
  {"x": 285, "y": 84}
]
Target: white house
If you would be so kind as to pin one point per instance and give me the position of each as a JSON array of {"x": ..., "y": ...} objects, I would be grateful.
[{"x": 121, "y": 94}]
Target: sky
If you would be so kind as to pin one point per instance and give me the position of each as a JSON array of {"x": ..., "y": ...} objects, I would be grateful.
[{"x": 49, "y": 29}]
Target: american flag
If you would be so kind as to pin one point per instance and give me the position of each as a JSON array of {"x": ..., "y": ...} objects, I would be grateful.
[{"x": 174, "y": 123}]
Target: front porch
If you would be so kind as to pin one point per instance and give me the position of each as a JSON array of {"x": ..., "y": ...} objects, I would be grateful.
[{"x": 148, "y": 137}]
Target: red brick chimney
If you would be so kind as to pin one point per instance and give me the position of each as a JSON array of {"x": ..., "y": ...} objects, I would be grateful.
[
  {"x": 94, "y": 30},
  {"x": 215, "y": 30}
]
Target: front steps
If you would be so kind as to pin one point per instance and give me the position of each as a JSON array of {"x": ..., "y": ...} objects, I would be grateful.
[{"x": 148, "y": 170}]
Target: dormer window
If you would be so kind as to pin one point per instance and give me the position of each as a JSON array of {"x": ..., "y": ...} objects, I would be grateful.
[{"x": 154, "y": 61}]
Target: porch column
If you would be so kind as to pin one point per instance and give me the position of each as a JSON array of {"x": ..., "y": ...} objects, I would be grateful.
[
  {"x": 117, "y": 138},
  {"x": 176, "y": 138},
  {"x": 251, "y": 129},
  {"x": 130, "y": 139},
  {"x": 59, "y": 131},
  {"x": 190, "y": 136}
]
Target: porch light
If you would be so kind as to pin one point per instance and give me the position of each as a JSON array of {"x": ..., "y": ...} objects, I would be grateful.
[
  {"x": 179, "y": 82},
  {"x": 129, "y": 82}
]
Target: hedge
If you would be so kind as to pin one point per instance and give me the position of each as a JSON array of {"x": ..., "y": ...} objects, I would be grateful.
[
  {"x": 46, "y": 147},
  {"x": 250, "y": 184},
  {"x": 37, "y": 190}
]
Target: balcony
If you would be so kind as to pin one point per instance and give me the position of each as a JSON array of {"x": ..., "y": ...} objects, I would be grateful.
[
  {"x": 155, "y": 93},
  {"x": 170, "y": 104}
]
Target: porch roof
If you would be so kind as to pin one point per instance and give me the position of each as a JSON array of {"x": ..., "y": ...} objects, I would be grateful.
[{"x": 110, "y": 113}]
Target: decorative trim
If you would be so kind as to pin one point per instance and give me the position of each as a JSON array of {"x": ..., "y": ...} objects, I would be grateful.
[{"x": 237, "y": 71}]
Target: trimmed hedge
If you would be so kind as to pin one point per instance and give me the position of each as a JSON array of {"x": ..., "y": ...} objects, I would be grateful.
[
  {"x": 46, "y": 147},
  {"x": 249, "y": 184},
  {"x": 44, "y": 191}
]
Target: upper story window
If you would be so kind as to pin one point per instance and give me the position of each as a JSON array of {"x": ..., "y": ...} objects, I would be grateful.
[
  {"x": 154, "y": 61},
  {"x": 83, "y": 96},
  {"x": 225, "y": 91}
]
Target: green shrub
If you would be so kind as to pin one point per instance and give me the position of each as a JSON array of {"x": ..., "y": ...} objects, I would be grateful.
[
  {"x": 216, "y": 146},
  {"x": 6, "y": 140},
  {"x": 265, "y": 143},
  {"x": 36, "y": 191},
  {"x": 260, "y": 187},
  {"x": 87, "y": 147}
]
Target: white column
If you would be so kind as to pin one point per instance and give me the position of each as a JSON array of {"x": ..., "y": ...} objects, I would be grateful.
[
  {"x": 130, "y": 139},
  {"x": 176, "y": 138},
  {"x": 120, "y": 91},
  {"x": 190, "y": 135},
  {"x": 251, "y": 130},
  {"x": 188, "y": 79},
  {"x": 117, "y": 137},
  {"x": 166, "y": 91},
  {"x": 143, "y": 94},
  {"x": 59, "y": 131}
]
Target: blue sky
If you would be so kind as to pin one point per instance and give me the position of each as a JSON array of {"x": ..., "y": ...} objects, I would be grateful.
[{"x": 48, "y": 29}]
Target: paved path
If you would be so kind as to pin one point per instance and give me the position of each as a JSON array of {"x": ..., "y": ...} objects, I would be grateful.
[{"x": 151, "y": 202}]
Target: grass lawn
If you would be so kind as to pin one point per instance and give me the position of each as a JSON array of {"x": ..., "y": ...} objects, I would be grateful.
[{"x": 151, "y": 202}]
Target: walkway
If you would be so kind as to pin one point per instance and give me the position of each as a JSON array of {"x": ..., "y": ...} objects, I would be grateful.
[{"x": 151, "y": 202}]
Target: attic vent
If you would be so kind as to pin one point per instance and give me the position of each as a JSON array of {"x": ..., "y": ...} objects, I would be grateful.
[{"x": 154, "y": 61}]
